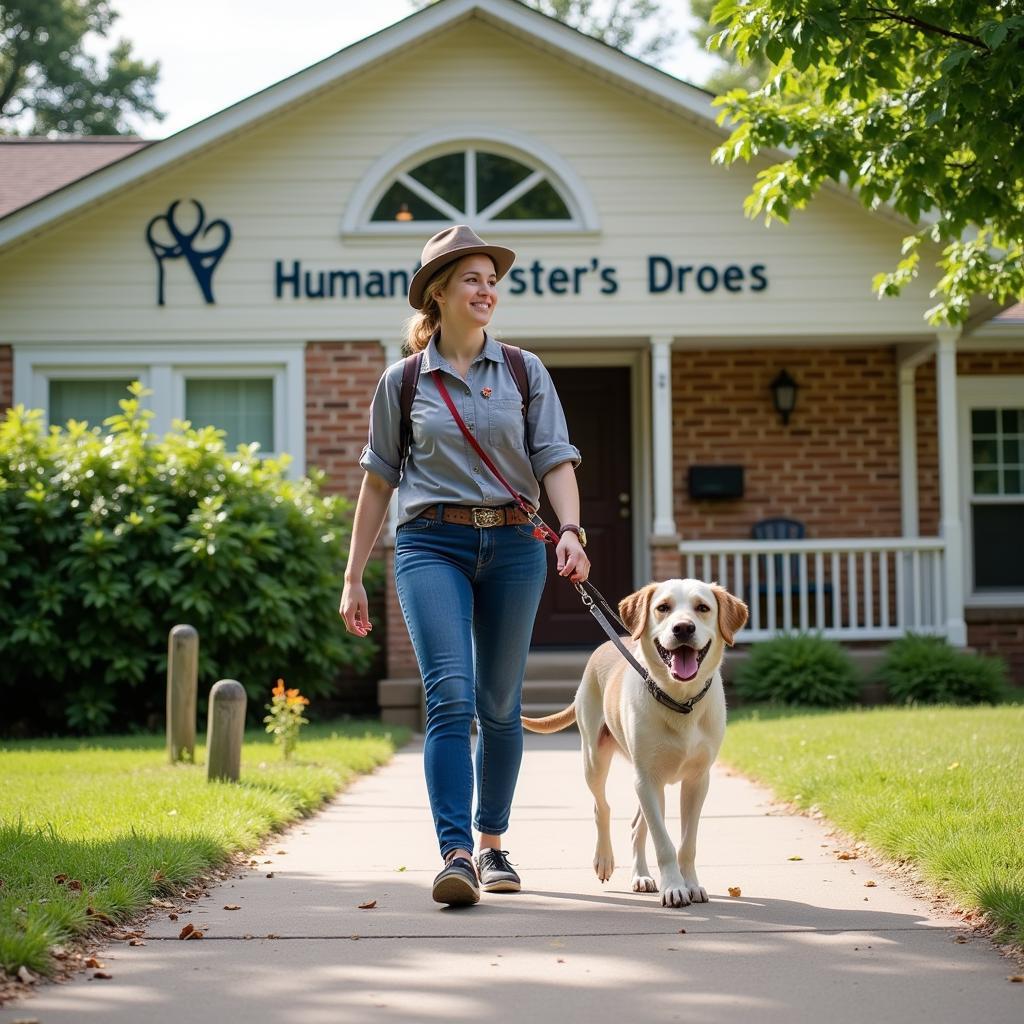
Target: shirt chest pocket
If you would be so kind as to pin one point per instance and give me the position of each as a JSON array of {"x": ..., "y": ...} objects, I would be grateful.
[{"x": 505, "y": 423}]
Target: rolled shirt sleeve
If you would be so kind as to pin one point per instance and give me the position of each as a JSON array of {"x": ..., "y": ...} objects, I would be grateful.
[
  {"x": 547, "y": 432},
  {"x": 382, "y": 455}
]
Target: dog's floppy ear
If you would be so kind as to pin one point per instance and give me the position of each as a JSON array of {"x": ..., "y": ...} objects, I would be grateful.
[
  {"x": 633, "y": 610},
  {"x": 732, "y": 613}
]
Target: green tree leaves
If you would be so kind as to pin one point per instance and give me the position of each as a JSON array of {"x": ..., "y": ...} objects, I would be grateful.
[{"x": 921, "y": 108}]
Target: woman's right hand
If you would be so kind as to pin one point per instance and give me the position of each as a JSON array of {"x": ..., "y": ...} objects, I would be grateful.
[{"x": 354, "y": 609}]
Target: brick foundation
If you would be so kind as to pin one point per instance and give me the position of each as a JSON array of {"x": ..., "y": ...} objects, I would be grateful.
[
  {"x": 6, "y": 378},
  {"x": 999, "y": 631}
]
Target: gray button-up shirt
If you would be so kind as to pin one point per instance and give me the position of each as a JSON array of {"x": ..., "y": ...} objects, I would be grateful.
[{"x": 442, "y": 466}]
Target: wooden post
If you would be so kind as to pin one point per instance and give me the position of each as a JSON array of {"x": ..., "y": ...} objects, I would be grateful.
[
  {"x": 182, "y": 673},
  {"x": 224, "y": 730}
]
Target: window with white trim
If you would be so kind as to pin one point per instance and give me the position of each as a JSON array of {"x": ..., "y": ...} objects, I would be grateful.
[
  {"x": 473, "y": 185},
  {"x": 997, "y": 497}
]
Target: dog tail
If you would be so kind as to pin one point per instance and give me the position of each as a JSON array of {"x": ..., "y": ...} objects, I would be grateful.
[{"x": 552, "y": 723}]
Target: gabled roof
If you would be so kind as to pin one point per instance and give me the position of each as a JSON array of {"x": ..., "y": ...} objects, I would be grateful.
[
  {"x": 32, "y": 167},
  {"x": 510, "y": 16}
]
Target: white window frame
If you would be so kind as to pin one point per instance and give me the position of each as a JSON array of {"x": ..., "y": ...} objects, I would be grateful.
[
  {"x": 982, "y": 393},
  {"x": 164, "y": 368},
  {"x": 410, "y": 154}
]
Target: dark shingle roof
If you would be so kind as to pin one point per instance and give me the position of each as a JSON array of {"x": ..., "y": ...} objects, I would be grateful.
[{"x": 31, "y": 167}]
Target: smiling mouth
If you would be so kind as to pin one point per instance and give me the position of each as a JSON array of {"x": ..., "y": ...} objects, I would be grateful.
[{"x": 683, "y": 662}]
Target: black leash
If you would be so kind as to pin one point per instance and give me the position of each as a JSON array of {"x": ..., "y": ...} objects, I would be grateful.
[{"x": 595, "y": 603}]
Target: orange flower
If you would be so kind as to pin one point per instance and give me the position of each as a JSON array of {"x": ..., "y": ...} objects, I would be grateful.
[
  {"x": 278, "y": 690},
  {"x": 294, "y": 697}
]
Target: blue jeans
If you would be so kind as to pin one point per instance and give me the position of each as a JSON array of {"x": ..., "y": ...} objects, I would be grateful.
[{"x": 470, "y": 597}]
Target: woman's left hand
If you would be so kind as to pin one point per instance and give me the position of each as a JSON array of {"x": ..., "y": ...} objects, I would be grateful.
[{"x": 571, "y": 559}]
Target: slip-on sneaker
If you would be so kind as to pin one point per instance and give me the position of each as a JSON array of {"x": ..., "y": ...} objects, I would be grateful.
[
  {"x": 496, "y": 874},
  {"x": 456, "y": 884}
]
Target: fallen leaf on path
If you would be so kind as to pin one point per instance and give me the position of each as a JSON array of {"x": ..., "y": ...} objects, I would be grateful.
[
  {"x": 93, "y": 962},
  {"x": 136, "y": 942},
  {"x": 172, "y": 917},
  {"x": 682, "y": 931},
  {"x": 1015, "y": 977},
  {"x": 186, "y": 931},
  {"x": 282, "y": 851},
  {"x": 166, "y": 904},
  {"x": 197, "y": 934},
  {"x": 870, "y": 884},
  {"x": 232, "y": 906},
  {"x": 846, "y": 855},
  {"x": 270, "y": 874},
  {"x": 734, "y": 891},
  {"x": 368, "y": 906},
  {"x": 795, "y": 858},
  {"x": 102, "y": 975},
  {"x": 273, "y": 935}
]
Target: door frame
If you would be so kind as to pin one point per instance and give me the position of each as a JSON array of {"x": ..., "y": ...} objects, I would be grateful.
[{"x": 639, "y": 363}]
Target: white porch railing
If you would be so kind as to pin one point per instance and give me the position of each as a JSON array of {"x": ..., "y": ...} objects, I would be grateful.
[{"x": 845, "y": 589}]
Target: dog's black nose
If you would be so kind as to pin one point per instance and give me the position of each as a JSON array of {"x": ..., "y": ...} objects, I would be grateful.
[{"x": 683, "y": 629}]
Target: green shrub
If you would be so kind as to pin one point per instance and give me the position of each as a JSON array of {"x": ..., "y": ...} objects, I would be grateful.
[
  {"x": 799, "y": 669},
  {"x": 926, "y": 670},
  {"x": 109, "y": 538}
]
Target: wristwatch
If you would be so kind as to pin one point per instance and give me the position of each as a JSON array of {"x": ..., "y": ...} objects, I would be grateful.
[{"x": 578, "y": 530}]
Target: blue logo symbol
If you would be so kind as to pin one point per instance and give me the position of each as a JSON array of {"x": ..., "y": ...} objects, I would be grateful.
[{"x": 181, "y": 243}]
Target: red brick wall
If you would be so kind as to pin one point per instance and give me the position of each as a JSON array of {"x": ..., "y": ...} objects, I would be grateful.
[
  {"x": 340, "y": 381},
  {"x": 835, "y": 466},
  {"x": 6, "y": 378}
]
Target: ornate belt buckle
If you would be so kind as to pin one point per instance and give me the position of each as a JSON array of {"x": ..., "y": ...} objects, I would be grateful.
[{"x": 483, "y": 517}]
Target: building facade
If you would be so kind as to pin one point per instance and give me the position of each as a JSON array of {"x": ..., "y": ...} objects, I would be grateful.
[{"x": 252, "y": 269}]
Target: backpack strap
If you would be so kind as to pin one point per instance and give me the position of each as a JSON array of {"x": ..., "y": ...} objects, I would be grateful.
[
  {"x": 410, "y": 381},
  {"x": 517, "y": 366}
]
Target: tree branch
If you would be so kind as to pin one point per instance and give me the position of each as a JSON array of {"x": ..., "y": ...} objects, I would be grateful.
[{"x": 924, "y": 26}]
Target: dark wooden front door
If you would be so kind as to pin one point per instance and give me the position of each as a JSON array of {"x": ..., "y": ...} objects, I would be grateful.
[{"x": 597, "y": 408}]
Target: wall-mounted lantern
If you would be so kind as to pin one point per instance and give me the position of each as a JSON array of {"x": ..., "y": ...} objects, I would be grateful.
[{"x": 784, "y": 395}]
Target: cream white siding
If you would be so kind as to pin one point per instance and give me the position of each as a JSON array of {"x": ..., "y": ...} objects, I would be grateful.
[{"x": 284, "y": 188}]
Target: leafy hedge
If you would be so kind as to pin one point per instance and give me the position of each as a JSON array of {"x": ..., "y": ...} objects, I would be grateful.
[
  {"x": 109, "y": 538},
  {"x": 926, "y": 670},
  {"x": 800, "y": 669}
]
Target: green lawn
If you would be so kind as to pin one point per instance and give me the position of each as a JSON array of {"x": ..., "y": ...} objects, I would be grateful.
[
  {"x": 940, "y": 787},
  {"x": 112, "y": 814}
]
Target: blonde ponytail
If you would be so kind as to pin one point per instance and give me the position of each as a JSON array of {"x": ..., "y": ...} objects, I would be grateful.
[{"x": 420, "y": 327}]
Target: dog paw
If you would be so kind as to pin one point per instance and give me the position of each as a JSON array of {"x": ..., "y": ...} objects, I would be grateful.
[
  {"x": 698, "y": 894},
  {"x": 604, "y": 865},
  {"x": 644, "y": 883},
  {"x": 676, "y": 895}
]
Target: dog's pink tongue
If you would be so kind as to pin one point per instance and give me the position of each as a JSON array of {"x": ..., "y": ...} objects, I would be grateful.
[{"x": 684, "y": 663}]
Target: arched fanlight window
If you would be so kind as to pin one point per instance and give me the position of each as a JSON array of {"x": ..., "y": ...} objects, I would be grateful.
[{"x": 475, "y": 185}]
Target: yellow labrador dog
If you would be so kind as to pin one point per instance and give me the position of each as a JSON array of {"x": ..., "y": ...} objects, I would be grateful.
[{"x": 680, "y": 629}]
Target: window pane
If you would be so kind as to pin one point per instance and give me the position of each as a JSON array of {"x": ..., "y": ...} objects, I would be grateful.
[
  {"x": 983, "y": 421},
  {"x": 1013, "y": 421},
  {"x": 1011, "y": 481},
  {"x": 1011, "y": 451},
  {"x": 542, "y": 202},
  {"x": 985, "y": 453},
  {"x": 986, "y": 481},
  {"x": 244, "y": 408},
  {"x": 399, "y": 199},
  {"x": 495, "y": 175},
  {"x": 998, "y": 552},
  {"x": 90, "y": 400},
  {"x": 446, "y": 176}
]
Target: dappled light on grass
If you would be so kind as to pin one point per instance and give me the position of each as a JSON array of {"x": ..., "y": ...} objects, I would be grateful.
[{"x": 938, "y": 787}]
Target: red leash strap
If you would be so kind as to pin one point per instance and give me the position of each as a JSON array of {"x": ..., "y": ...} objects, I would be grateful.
[{"x": 541, "y": 530}]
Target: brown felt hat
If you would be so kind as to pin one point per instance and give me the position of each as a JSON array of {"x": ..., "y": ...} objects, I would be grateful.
[{"x": 449, "y": 245}]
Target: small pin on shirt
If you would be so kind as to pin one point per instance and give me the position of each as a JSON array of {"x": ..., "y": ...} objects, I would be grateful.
[{"x": 486, "y": 392}]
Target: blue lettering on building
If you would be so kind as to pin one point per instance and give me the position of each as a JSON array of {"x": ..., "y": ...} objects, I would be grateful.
[{"x": 664, "y": 276}]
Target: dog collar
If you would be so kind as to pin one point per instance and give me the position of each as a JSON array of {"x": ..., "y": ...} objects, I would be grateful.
[{"x": 683, "y": 707}]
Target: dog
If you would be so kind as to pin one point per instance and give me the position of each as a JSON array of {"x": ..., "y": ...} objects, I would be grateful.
[{"x": 679, "y": 632}]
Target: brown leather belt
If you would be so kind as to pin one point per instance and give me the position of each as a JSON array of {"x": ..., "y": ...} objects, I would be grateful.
[{"x": 478, "y": 517}]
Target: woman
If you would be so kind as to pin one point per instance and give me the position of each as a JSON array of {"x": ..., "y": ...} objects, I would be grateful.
[{"x": 468, "y": 570}]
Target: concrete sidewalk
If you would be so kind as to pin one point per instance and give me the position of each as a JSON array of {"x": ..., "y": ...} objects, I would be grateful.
[{"x": 808, "y": 940}]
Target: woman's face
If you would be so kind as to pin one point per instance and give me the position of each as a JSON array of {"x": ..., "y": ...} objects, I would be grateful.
[{"x": 471, "y": 294}]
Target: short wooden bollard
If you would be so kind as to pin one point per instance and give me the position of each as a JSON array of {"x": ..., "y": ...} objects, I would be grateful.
[
  {"x": 182, "y": 674},
  {"x": 224, "y": 730}
]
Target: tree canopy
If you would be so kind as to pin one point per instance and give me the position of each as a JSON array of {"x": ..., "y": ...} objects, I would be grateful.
[
  {"x": 619, "y": 23},
  {"x": 915, "y": 105},
  {"x": 47, "y": 78}
]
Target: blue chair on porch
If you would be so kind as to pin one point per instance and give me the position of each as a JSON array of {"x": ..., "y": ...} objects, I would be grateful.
[{"x": 779, "y": 529}]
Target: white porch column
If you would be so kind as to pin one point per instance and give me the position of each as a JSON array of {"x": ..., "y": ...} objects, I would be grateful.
[
  {"x": 661, "y": 435},
  {"x": 392, "y": 353},
  {"x": 950, "y": 528}
]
